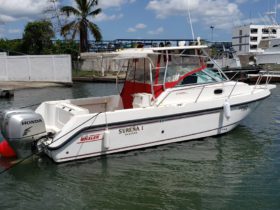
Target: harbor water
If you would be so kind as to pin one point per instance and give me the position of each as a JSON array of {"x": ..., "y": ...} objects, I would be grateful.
[{"x": 238, "y": 170}]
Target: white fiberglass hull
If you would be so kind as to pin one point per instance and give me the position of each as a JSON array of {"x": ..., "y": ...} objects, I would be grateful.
[
  {"x": 107, "y": 134},
  {"x": 268, "y": 58}
]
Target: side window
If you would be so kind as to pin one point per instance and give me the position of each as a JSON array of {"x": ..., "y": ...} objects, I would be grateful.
[
  {"x": 192, "y": 79},
  {"x": 201, "y": 77}
]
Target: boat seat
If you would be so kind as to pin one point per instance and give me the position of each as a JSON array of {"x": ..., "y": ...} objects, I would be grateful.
[
  {"x": 56, "y": 115},
  {"x": 114, "y": 103},
  {"x": 142, "y": 100},
  {"x": 99, "y": 104}
]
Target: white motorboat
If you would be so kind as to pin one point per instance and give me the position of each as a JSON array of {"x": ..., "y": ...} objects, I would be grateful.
[
  {"x": 226, "y": 59},
  {"x": 169, "y": 95},
  {"x": 229, "y": 62},
  {"x": 269, "y": 52}
]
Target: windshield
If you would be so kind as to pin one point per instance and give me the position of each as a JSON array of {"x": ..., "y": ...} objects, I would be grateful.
[
  {"x": 204, "y": 76},
  {"x": 177, "y": 68}
]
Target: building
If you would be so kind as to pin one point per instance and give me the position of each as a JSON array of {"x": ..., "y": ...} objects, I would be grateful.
[
  {"x": 246, "y": 38},
  {"x": 220, "y": 46}
]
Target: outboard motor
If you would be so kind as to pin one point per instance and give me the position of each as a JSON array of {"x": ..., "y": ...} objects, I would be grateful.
[{"x": 22, "y": 129}]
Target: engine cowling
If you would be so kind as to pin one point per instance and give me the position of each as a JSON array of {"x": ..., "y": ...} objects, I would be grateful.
[{"x": 21, "y": 128}]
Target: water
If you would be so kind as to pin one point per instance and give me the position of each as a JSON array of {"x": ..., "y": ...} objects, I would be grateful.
[{"x": 239, "y": 170}]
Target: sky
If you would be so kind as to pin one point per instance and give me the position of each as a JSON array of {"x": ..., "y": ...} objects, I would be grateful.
[{"x": 146, "y": 19}]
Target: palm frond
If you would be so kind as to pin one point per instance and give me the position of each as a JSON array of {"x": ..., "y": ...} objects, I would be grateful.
[
  {"x": 95, "y": 12},
  {"x": 93, "y": 3},
  {"x": 75, "y": 30},
  {"x": 90, "y": 5},
  {"x": 67, "y": 28},
  {"x": 68, "y": 10},
  {"x": 79, "y": 4},
  {"x": 95, "y": 30},
  {"x": 82, "y": 5}
]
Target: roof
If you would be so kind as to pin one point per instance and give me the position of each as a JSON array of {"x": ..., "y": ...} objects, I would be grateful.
[{"x": 144, "y": 52}]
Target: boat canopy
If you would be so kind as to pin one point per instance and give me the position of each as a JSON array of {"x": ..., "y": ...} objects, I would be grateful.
[{"x": 145, "y": 52}]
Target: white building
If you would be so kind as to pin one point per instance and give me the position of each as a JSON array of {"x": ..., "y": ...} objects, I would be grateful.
[{"x": 246, "y": 38}]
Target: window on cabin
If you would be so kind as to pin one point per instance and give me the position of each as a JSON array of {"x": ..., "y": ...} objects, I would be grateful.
[
  {"x": 178, "y": 66},
  {"x": 138, "y": 70}
]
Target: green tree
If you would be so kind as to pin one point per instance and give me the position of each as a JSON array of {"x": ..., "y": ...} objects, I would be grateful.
[
  {"x": 12, "y": 47},
  {"x": 37, "y": 37},
  {"x": 82, "y": 24},
  {"x": 66, "y": 47}
]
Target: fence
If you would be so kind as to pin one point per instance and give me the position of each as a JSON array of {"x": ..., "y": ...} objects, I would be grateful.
[{"x": 41, "y": 68}]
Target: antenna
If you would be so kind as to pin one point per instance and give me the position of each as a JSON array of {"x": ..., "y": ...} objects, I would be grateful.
[
  {"x": 54, "y": 13},
  {"x": 251, "y": 19},
  {"x": 272, "y": 14},
  {"x": 189, "y": 14},
  {"x": 276, "y": 11}
]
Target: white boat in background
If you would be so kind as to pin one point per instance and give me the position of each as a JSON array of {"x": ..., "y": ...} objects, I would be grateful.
[
  {"x": 169, "y": 96},
  {"x": 229, "y": 62},
  {"x": 269, "y": 52},
  {"x": 225, "y": 60}
]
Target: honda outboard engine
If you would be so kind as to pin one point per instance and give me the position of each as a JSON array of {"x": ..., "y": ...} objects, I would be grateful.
[{"x": 22, "y": 129}]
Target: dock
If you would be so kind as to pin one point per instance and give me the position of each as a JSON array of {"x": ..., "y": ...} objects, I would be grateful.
[
  {"x": 104, "y": 79},
  {"x": 16, "y": 85},
  {"x": 272, "y": 76}
]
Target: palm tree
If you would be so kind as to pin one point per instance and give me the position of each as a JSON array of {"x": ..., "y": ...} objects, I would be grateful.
[{"x": 85, "y": 9}]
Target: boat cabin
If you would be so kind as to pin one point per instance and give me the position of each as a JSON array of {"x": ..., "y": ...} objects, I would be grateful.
[{"x": 151, "y": 71}]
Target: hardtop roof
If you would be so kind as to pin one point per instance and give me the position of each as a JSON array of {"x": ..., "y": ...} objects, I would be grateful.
[{"x": 144, "y": 52}]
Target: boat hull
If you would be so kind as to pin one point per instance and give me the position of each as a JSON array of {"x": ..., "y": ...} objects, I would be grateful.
[{"x": 154, "y": 130}]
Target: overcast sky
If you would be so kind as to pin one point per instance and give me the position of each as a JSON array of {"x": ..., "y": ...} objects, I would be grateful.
[{"x": 147, "y": 18}]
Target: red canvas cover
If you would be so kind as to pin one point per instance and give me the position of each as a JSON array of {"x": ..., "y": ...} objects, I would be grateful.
[{"x": 132, "y": 87}]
